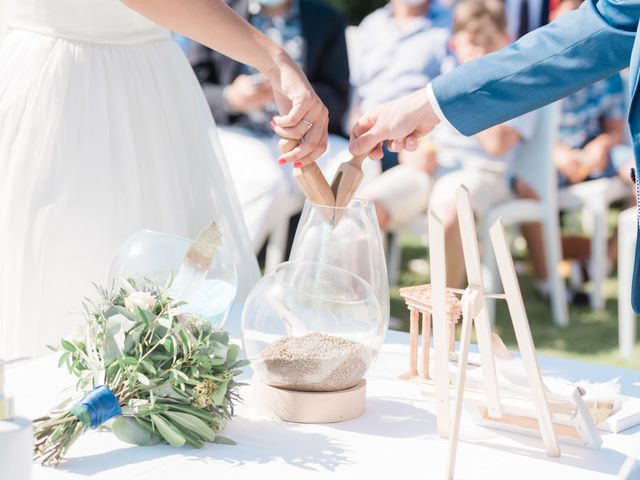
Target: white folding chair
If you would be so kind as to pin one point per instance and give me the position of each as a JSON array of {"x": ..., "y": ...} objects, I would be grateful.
[
  {"x": 627, "y": 221},
  {"x": 417, "y": 228},
  {"x": 534, "y": 164},
  {"x": 594, "y": 198}
]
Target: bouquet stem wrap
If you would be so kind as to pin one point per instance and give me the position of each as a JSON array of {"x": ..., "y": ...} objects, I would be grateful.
[{"x": 97, "y": 407}]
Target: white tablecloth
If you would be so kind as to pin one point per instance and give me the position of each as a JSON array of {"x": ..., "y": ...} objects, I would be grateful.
[{"x": 396, "y": 436}]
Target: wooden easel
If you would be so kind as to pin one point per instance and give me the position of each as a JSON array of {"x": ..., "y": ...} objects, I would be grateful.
[
  {"x": 552, "y": 414},
  {"x": 524, "y": 407}
]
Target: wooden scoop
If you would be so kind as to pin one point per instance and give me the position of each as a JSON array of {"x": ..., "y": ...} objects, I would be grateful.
[
  {"x": 310, "y": 178},
  {"x": 347, "y": 180}
]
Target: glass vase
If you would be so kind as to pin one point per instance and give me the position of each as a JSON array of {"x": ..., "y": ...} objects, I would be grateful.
[
  {"x": 348, "y": 238},
  {"x": 158, "y": 256}
]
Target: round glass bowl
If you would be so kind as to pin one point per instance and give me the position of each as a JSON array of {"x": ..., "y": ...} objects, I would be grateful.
[
  {"x": 312, "y": 327},
  {"x": 158, "y": 256}
]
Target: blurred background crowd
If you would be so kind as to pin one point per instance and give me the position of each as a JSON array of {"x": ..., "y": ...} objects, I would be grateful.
[
  {"x": 560, "y": 177},
  {"x": 360, "y": 54}
]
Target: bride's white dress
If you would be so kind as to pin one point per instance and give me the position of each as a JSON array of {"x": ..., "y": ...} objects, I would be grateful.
[{"x": 103, "y": 131}]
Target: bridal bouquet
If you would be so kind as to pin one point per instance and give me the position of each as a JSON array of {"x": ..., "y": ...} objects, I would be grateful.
[{"x": 165, "y": 376}]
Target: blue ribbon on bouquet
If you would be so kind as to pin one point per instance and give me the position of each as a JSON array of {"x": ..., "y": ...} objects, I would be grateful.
[{"x": 98, "y": 406}]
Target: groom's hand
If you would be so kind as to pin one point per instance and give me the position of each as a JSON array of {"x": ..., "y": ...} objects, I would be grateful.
[{"x": 401, "y": 122}]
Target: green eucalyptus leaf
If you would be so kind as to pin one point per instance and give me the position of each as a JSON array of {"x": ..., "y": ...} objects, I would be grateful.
[
  {"x": 133, "y": 337},
  {"x": 168, "y": 391},
  {"x": 239, "y": 364},
  {"x": 224, "y": 440},
  {"x": 63, "y": 359},
  {"x": 196, "y": 412},
  {"x": 68, "y": 346},
  {"x": 148, "y": 366},
  {"x": 130, "y": 361},
  {"x": 114, "y": 340},
  {"x": 122, "y": 311},
  {"x": 158, "y": 357},
  {"x": 168, "y": 431},
  {"x": 191, "y": 439},
  {"x": 232, "y": 354},
  {"x": 186, "y": 341},
  {"x": 192, "y": 424},
  {"x": 219, "y": 336},
  {"x": 218, "y": 396},
  {"x": 164, "y": 322},
  {"x": 144, "y": 316},
  {"x": 169, "y": 281},
  {"x": 181, "y": 375},
  {"x": 129, "y": 430},
  {"x": 169, "y": 345},
  {"x": 143, "y": 379}
]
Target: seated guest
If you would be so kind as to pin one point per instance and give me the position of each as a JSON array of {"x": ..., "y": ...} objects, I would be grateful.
[
  {"x": 448, "y": 159},
  {"x": 592, "y": 131},
  {"x": 589, "y": 146},
  {"x": 591, "y": 134},
  {"x": 242, "y": 102},
  {"x": 397, "y": 49}
]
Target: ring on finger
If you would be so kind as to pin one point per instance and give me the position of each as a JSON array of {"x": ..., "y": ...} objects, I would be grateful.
[{"x": 307, "y": 123}]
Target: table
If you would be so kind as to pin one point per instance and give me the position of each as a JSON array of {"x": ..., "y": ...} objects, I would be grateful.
[{"x": 396, "y": 435}]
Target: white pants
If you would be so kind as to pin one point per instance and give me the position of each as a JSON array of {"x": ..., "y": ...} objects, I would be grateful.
[
  {"x": 407, "y": 193},
  {"x": 267, "y": 191},
  {"x": 486, "y": 189},
  {"x": 403, "y": 191}
]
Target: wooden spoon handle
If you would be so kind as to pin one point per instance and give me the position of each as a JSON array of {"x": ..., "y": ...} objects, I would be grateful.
[{"x": 310, "y": 178}]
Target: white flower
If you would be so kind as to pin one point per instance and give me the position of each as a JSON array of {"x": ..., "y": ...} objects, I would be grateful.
[{"x": 144, "y": 300}]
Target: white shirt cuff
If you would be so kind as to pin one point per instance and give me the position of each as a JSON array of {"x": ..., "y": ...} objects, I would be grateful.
[{"x": 436, "y": 108}]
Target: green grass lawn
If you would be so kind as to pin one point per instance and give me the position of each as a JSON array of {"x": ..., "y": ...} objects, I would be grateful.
[{"x": 591, "y": 336}]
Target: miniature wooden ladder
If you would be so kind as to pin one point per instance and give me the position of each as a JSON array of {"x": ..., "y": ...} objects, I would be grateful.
[{"x": 474, "y": 312}]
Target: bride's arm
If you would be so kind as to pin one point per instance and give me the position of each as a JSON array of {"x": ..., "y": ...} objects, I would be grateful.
[{"x": 216, "y": 25}]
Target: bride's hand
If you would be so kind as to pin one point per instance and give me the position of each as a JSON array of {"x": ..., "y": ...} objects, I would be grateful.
[{"x": 302, "y": 114}]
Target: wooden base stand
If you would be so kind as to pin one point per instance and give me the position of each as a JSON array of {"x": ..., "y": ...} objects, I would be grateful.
[{"x": 308, "y": 407}]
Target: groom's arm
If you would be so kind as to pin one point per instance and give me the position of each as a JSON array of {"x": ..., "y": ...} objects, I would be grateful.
[{"x": 579, "y": 48}]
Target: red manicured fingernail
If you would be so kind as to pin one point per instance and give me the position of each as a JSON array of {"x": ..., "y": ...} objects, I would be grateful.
[
  {"x": 298, "y": 165},
  {"x": 282, "y": 161}
]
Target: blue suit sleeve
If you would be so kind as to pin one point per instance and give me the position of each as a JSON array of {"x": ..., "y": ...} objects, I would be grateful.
[{"x": 576, "y": 50}]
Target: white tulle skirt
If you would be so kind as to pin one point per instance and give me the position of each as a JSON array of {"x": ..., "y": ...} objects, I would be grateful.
[{"x": 96, "y": 142}]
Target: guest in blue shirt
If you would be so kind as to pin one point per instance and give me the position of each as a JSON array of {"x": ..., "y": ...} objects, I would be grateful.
[
  {"x": 398, "y": 49},
  {"x": 591, "y": 134}
]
